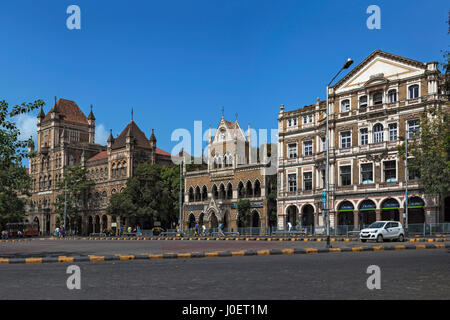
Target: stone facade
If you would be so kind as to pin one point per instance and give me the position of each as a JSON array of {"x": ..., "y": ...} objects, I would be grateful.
[
  {"x": 232, "y": 173},
  {"x": 375, "y": 104},
  {"x": 65, "y": 137}
]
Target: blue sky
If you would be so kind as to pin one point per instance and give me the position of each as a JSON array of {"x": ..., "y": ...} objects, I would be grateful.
[{"x": 175, "y": 62}]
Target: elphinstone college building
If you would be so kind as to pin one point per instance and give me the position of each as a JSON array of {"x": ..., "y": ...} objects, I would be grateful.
[
  {"x": 370, "y": 109},
  {"x": 65, "y": 137}
]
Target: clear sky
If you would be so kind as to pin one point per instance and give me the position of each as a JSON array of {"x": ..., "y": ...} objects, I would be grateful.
[{"x": 175, "y": 62}]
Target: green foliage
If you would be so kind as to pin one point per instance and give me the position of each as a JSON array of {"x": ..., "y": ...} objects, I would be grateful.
[
  {"x": 77, "y": 193},
  {"x": 431, "y": 152},
  {"x": 272, "y": 202},
  {"x": 152, "y": 193},
  {"x": 244, "y": 215},
  {"x": 14, "y": 180}
]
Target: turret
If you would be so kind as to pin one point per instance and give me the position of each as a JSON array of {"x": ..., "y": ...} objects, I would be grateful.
[
  {"x": 91, "y": 122},
  {"x": 153, "y": 139}
]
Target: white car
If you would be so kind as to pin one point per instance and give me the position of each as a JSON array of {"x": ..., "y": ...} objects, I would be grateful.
[{"x": 383, "y": 230}]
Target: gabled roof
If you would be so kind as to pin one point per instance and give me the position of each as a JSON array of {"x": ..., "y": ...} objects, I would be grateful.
[
  {"x": 136, "y": 135},
  {"x": 378, "y": 53},
  {"x": 162, "y": 152},
  {"x": 99, "y": 156},
  {"x": 69, "y": 111}
]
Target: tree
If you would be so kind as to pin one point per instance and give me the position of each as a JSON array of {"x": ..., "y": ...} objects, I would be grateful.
[
  {"x": 244, "y": 216},
  {"x": 152, "y": 194},
  {"x": 14, "y": 180},
  {"x": 430, "y": 152},
  {"x": 77, "y": 193}
]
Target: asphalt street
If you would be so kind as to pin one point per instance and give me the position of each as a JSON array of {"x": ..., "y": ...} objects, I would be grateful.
[
  {"x": 408, "y": 274},
  {"x": 41, "y": 248}
]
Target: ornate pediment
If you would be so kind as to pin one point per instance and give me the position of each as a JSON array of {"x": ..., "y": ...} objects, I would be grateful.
[
  {"x": 377, "y": 157},
  {"x": 379, "y": 68}
]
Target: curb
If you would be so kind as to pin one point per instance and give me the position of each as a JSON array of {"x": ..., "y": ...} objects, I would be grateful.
[
  {"x": 188, "y": 255},
  {"x": 440, "y": 239}
]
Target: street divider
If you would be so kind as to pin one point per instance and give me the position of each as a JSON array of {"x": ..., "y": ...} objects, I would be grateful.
[{"x": 216, "y": 254}]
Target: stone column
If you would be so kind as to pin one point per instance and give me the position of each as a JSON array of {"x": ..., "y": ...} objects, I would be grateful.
[
  {"x": 400, "y": 215},
  {"x": 356, "y": 219},
  {"x": 378, "y": 214}
]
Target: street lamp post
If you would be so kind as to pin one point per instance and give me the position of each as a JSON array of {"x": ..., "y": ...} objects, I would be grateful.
[
  {"x": 181, "y": 190},
  {"x": 406, "y": 183},
  {"x": 327, "y": 192}
]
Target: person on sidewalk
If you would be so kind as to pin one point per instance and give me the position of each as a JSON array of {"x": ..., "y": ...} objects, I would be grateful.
[
  {"x": 196, "y": 230},
  {"x": 221, "y": 231}
]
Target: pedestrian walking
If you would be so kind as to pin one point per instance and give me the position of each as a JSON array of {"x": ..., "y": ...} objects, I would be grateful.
[
  {"x": 138, "y": 231},
  {"x": 57, "y": 232},
  {"x": 63, "y": 232},
  {"x": 121, "y": 230},
  {"x": 196, "y": 229},
  {"x": 129, "y": 229},
  {"x": 204, "y": 230},
  {"x": 289, "y": 226},
  {"x": 220, "y": 230}
]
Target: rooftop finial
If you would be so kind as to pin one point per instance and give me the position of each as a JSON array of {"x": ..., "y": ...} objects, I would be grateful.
[
  {"x": 223, "y": 112},
  {"x": 131, "y": 113}
]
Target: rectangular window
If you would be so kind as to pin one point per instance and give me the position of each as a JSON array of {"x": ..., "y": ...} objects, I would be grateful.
[
  {"x": 413, "y": 173},
  {"x": 364, "y": 136},
  {"x": 390, "y": 171},
  {"x": 346, "y": 175},
  {"x": 363, "y": 102},
  {"x": 324, "y": 144},
  {"x": 377, "y": 98},
  {"x": 366, "y": 173},
  {"x": 308, "y": 119},
  {"x": 413, "y": 128},
  {"x": 346, "y": 139},
  {"x": 393, "y": 132},
  {"x": 307, "y": 180},
  {"x": 292, "y": 150},
  {"x": 345, "y": 105},
  {"x": 307, "y": 148},
  {"x": 292, "y": 182}
]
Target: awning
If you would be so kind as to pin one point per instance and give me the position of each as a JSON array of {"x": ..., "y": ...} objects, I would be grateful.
[
  {"x": 346, "y": 206},
  {"x": 415, "y": 202},
  {"x": 390, "y": 204}
]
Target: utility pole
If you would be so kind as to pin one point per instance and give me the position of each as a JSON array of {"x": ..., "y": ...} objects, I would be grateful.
[
  {"x": 181, "y": 188},
  {"x": 406, "y": 183},
  {"x": 326, "y": 199},
  {"x": 65, "y": 204}
]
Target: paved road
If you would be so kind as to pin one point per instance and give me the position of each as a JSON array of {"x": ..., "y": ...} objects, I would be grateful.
[
  {"x": 410, "y": 274},
  {"x": 40, "y": 248}
]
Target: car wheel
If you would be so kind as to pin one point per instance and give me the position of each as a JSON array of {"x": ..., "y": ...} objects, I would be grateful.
[
  {"x": 401, "y": 238},
  {"x": 380, "y": 238}
]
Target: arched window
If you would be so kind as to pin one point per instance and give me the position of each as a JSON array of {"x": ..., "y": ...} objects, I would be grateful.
[
  {"x": 215, "y": 193},
  {"x": 392, "y": 96},
  {"x": 222, "y": 193},
  {"x": 241, "y": 192},
  {"x": 249, "y": 189},
  {"x": 191, "y": 194},
  {"x": 257, "y": 188},
  {"x": 204, "y": 193},
  {"x": 229, "y": 191},
  {"x": 378, "y": 135},
  {"x": 197, "y": 195}
]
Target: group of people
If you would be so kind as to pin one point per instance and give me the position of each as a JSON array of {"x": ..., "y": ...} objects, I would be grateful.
[
  {"x": 60, "y": 232},
  {"x": 197, "y": 230}
]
